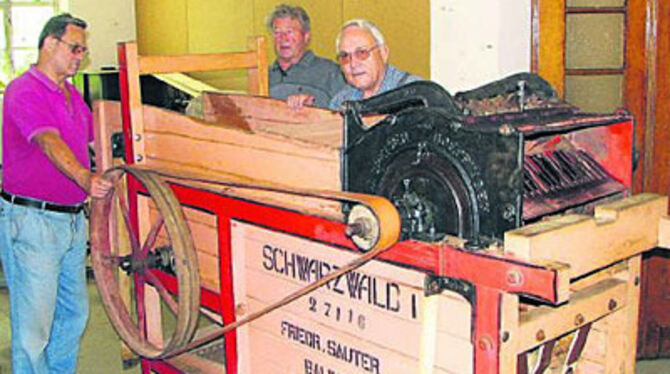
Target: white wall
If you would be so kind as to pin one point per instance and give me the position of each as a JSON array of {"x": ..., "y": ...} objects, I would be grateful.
[
  {"x": 477, "y": 41},
  {"x": 109, "y": 22}
]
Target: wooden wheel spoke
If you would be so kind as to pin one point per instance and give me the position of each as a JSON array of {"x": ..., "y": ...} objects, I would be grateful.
[
  {"x": 152, "y": 236},
  {"x": 134, "y": 243},
  {"x": 163, "y": 292}
]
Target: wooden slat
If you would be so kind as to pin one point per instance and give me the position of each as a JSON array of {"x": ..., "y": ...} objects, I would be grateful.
[
  {"x": 616, "y": 231},
  {"x": 628, "y": 328},
  {"x": 217, "y": 107},
  {"x": 135, "y": 102},
  {"x": 164, "y": 121},
  {"x": 258, "y": 83},
  {"x": 204, "y": 233},
  {"x": 193, "y": 63},
  {"x": 664, "y": 232},
  {"x": 259, "y": 163},
  {"x": 509, "y": 333},
  {"x": 546, "y": 323}
]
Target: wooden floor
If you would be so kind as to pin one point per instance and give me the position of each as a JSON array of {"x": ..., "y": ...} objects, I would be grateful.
[{"x": 100, "y": 348}]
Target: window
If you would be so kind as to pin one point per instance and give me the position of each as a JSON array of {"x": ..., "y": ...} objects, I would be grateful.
[
  {"x": 580, "y": 47},
  {"x": 22, "y": 21}
]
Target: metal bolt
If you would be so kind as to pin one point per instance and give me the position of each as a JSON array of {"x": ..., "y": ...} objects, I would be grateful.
[
  {"x": 485, "y": 343},
  {"x": 579, "y": 319},
  {"x": 139, "y": 158},
  {"x": 138, "y": 137},
  {"x": 540, "y": 335},
  {"x": 637, "y": 280},
  {"x": 612, "y": 304},
  {"x": 514, "y": 277},
  {"x": 505, "y": 336}
]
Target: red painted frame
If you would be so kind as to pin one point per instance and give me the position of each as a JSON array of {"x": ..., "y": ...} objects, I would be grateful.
[{"x": 485, "y": 271}]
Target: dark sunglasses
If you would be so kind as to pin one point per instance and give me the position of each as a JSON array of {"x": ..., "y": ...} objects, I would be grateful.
[
  {"x": 361, "y": 54},
  {"x": 76, "y": 49}
]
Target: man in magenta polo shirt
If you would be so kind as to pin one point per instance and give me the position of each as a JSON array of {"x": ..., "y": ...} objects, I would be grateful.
[{"x": 46, "y": 178}]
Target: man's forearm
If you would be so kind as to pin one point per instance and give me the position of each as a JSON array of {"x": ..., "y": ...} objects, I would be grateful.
[{"x": 62, "y": 157}]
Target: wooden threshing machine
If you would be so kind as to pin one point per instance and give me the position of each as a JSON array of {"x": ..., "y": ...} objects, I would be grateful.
[{"x": 415, "y": 232}]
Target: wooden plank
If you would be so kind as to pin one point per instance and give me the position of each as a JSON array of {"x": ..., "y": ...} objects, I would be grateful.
[
  {"x": 323, "y": 208},
  {"x": 202, "y": 227},
  {"x": 279, "y": 331},
  {"x": 375, "y": 309},
  {"x": 258, "y": 83},
  {"x": 218, "y": 106},
  {"x": 193, "y": 63},
  {"x": 544, "y": 323},
  {"x": 617, "y": 231},
  {"x": 135, "y": 102},
  {"x": 261, "y": 163},
  {"x": 509, "y": 333},
  {"x": 630, "y": 315},
  {"x": 165, "y": 121},
  {"x": 204, "y": 233},
  {"x": 664, "y": 232}
]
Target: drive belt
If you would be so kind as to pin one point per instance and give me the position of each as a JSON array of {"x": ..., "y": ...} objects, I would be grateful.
[{"x": 381, "y": 221}]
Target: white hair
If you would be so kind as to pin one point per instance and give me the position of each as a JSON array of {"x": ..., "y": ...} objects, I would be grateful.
[{"x": 364, "y": 24}]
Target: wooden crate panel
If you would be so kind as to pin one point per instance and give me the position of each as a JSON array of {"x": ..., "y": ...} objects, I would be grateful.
[
  {"x": 379, "y": 306},
  {"x": 157, "y": 119},
  {"x": 261, "y": 163},
  {"x": 301, "y": 343},
  {"x": 588, "y": 305},
  {"x": 617, "y": 231}
]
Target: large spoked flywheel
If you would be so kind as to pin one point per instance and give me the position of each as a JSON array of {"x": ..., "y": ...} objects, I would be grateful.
[{"x": 164, "y": 259}]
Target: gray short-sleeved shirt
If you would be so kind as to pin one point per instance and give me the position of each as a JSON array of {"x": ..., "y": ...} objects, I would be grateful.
[
  {"x": 312, "y": 75},
  {"x": 393, "y": 78}
]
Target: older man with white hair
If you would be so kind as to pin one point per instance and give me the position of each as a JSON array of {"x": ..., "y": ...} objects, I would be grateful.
[{"x": 363, "y": 56}]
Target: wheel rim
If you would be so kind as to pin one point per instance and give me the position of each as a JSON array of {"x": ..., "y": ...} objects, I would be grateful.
[{"x": 106, "y": 265}]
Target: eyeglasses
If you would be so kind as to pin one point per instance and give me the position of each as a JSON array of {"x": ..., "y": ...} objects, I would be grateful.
[
  {"x": 76, "y": 49},
  {"x": 361, "y": 54}
]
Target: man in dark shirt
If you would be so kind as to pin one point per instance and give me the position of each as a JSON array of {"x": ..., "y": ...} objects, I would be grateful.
[{"x": 297, "y": 70}]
